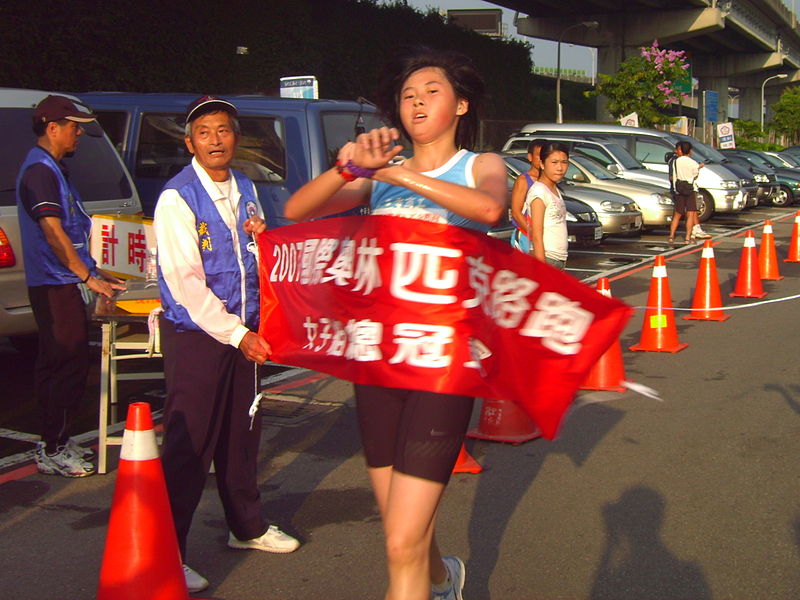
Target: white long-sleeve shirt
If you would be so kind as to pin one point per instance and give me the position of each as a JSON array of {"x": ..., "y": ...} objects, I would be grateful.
[{"x": 181, "y": 265}]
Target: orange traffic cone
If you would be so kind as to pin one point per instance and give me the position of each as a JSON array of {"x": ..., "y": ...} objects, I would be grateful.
[
  {"x": 767, "y": 258},
  {"x": 504, "y": 421},
  {"x": 794, "y": 245},
  {"x": 141, "y": 558},
  {"x": 465, "y": 463},
  {"x": 748, "y": 281},
  {"x": 659, "y": 333},
  {"x": 608, "y": 373},
  {"x": 707, "y": 303}
]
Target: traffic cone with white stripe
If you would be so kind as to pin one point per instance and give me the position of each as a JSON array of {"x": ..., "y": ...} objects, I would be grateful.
[
  {"x": 767, "y": 258},
  {"x": 707, "y": 303},
  {"x": 794, "y": 245},
  {"x": 748, "y": 281},
  {"x": 141, "y": 558},
  {"x": 608, "y": 373},
  {"x": 659, "y": 333}
]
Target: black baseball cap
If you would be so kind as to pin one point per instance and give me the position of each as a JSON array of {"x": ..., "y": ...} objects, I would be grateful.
[
  {"x": 56, "y": 108},
  {"x": 207, "y": 104}
]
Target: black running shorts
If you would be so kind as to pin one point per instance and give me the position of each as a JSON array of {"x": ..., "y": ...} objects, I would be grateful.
[{"x": 418, "y": 433}]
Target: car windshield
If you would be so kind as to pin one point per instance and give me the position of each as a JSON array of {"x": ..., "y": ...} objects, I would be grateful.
[
  {"x": 701, "y": 152},
  {"x": 595, "y": 168},
  {"x": 520, "y": 165},
  {"x": 755, "y": 159},
  {"x": 95, "y": 169},
  {"x": 788, "y": 159},
  {"x": 771, "y": 160},
  {"x": 624, "y": 157}
]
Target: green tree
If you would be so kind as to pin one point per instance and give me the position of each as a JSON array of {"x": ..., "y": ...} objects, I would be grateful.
[
  {"x": 644, "y": 84},
  {"x": 787, "y": 113}
]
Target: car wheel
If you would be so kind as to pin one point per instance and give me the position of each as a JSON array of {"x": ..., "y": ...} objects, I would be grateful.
[
  {"x": 784, "y": 197},
  {"x": 705, "y": 206}
]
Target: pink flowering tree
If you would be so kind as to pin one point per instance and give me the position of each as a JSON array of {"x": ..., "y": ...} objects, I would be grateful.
[{"x": 645, "y": 84}]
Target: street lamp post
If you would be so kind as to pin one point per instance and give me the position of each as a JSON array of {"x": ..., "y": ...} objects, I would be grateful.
[
  {"x": 590, "y": 25},
  {"x": 763, "y": 104}
]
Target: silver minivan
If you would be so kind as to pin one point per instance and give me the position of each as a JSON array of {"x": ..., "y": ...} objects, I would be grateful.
[
  {"x": 97, "y": 171},
  {"x": 721, "y": 189}
]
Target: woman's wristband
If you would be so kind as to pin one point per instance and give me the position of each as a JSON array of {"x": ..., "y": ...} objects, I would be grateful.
[
  {"x": 351, "y": 171},
  {"x": 89, "y": 274}
]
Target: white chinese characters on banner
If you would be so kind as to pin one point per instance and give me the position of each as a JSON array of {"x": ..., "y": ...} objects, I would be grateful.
[
  {"x": 418, "y": 276},
  {"x": 119, "y": 243}
]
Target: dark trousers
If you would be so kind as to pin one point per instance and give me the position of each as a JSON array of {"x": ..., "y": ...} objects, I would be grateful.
[
  {"x": 62, "y": 364},
  {"x": 210, "y": 387}
]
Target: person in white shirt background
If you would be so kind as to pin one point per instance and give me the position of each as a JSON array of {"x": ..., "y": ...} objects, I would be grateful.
[
  {"x": 547, "y": 227},
  {"x": 684, "y": 171},
  {"x": 204, "y": 221}
]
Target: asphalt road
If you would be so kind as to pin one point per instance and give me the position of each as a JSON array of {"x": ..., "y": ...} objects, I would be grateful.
[{"x": 695, "y": 496}]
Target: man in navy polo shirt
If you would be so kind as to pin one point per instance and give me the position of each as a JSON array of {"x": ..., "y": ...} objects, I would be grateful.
[
  {"x": 208, "y": 277},
  {"x": 55, "y": 243}
]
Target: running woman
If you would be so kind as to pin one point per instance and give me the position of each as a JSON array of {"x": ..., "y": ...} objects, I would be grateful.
[{"x": 432, "y": 97}]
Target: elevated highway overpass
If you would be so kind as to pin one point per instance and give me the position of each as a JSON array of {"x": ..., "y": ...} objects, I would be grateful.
[{"x": 736, "y": 43}]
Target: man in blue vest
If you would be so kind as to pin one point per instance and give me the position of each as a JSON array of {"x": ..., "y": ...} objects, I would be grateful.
[
  {"x": 55, "y": 244},
  {"x": 205, "y": 222}
]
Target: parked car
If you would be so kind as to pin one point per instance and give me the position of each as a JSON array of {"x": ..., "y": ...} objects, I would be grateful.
[
  {"x": 655, "y": 203},
  {"x": 96, "y": 170},
  {"x": 583, "y": 225},
  {"x": 617, "y": 214},
  {"x": 608, "y": 153},
  {"x": 721, "y": 190},
  {"x": 285, "y": 142},
  {"x": 788, "y": 180},
  {"x": 790, "y": 160}
]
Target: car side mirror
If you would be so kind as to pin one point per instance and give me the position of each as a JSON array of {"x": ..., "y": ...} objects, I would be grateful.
[
  {"x": 579, "y": 177},
  {"x": 613, "y": 169}
]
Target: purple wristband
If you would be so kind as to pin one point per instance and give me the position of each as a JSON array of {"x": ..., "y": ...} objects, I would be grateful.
[{"x": 359, "y": 171}]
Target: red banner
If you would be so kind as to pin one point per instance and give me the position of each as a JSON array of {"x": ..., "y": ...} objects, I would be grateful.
[{"x": 410, "y": 304}]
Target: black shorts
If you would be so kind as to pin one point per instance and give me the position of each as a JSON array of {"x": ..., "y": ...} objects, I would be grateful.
[
  {"x": 418, "y": 433},
  {"x": 684, "y": 203}
]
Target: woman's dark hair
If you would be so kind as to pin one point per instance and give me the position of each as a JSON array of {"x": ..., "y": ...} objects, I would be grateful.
[
  {"x": 684, "y": 146},
  {"x": 537, "y": 143},
  {"x": 549, "y": 148},
  {"x": 461, "y": 73}
]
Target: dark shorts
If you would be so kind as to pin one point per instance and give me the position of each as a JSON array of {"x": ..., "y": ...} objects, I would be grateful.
[
  {"x": 418, "y": 433},
  {"x": 684, "y": 203}
]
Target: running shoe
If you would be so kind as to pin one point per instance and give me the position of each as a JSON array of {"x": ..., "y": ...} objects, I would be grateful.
[
  {"x": 457, "y": 574},
  {"x": 78, "y": 450},
  {"x": 63, "y": 463},
  {"x": 194, "y": 581},
  {"x": 697, "y": 232},
  {"x": 273, "y": 540}
]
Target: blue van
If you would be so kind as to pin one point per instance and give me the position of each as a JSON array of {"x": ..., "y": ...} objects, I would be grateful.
[{"x": 285, "y": 142}]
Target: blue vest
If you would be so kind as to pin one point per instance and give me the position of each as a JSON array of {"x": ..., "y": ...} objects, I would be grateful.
[
  {"x": 397, "y": 200},
  {"x": 215, "y": 241},
  {"x": 42, "y": 266}
]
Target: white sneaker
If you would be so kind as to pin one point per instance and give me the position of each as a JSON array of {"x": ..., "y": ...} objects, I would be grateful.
[
  {"x": 274, "y": 540},
  {"x": 457, "y": 574},
  {"x": 63, "y": 463},
  {"x": 194, "y": 581},
  {"x": 698, "y": 233},
  {"x": 78, "y": 450}
]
